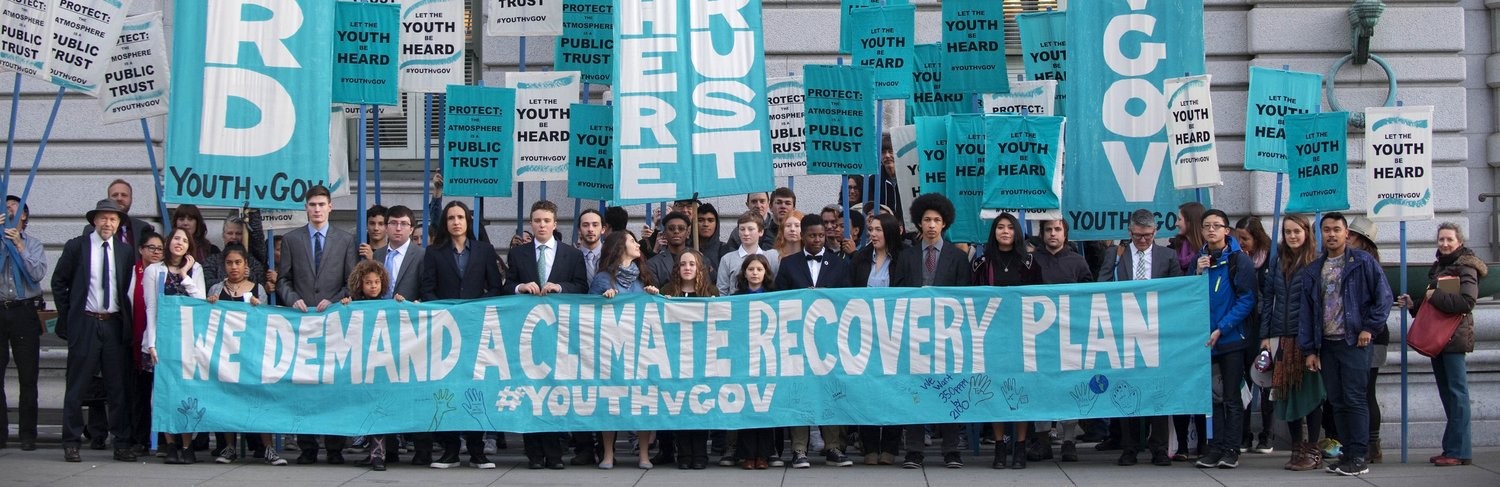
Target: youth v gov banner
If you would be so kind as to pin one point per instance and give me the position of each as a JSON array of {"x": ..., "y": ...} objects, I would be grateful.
[
  {"x": 1398, "y": 163},
  {"x": 250, "y": 123},
  {"x": 1117, "y": 146},
  {"x": 880, "y": 356},
  {"x": 690, "y": 85}
]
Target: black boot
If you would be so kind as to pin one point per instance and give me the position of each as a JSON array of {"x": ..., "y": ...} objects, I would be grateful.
[
  {"x": 1018, "y": 457},
  {"x": 1001, "y": 454}
]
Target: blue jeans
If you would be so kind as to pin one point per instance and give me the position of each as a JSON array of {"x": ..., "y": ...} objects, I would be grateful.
[
  {"x": 1453, "y": 388},
  {"x": 1346, "y": 376}
]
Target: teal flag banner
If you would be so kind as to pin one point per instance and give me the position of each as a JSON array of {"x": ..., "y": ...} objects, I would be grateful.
[
  {"x": 690, "y": 96},
  {"x": 1317, "y": 148},
  {"x": 366, "y": 50},
  {"x": 1022, "y": 151},
  {"x": 932, "y": 155},
  {"x": 885, "y": 42},
  {"x": 1274, "y": 94},
  {"x": 928, "y": 97},
  {"x": 965, "y": 177},
  {"x": 590, "y": 173},
  {"x": 847, "y": 8},
  {"x": 974, "y": 47},
  {"x": 478, "y": 140},
  {"x": 841, "y": 137},
  {"x": 248, "y": 129},
  {"x": 877, "y": 356},
  {"x": 1044, "y": 48},
  {"x": 587, "y": 42},
  {"x": 1117, "y": 137}
]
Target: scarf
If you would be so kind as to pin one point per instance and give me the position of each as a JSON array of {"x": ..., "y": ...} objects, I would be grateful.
[{"x": 626, "y": 276}]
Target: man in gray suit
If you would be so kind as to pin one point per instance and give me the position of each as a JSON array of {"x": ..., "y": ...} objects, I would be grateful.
[
  {"x": 1139, "y": 261},
  {"x": 401, "y": 256},
  {"x": 314, "y": 269}
]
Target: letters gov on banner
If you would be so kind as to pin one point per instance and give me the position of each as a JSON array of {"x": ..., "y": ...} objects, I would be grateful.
[
  {"x": 1117, "y": 154},
  {"x": 684, "y": 122},
  {"x": 135, "y": 85},
  {"x": 1398, "y": 163},
  {"x": 640, "y": 362},
  {"x": 245, "y": 126}
]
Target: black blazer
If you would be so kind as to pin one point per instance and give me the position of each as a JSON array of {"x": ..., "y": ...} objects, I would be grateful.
[
  {"x": 440, "y": 273},
  {"x": 953, "y": 267},
  {"x": 568, "y": 268},
  {"x": 863, "y": 262},
  {"x": 793, "y": 273},
  {"x": 70, "y": 285}
]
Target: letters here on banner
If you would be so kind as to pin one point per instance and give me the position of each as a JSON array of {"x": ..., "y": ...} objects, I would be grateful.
[
  {"x": 1398, "y": 163},
  {"x": 638, "y": 362}
]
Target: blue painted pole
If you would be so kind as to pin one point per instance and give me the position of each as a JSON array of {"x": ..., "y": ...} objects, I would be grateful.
[
  {"x": 427, "y": 171},
  {"x": 362, "y": 211},
  {"x": 375, "y": 128},
  {"x": 10, "y": 139},
  {"x": 1405, "y": 424},
  {"x": 520, "y": 211},
  {"x": 1276, "y": 208},
  {"x": 161, "y": 206},
  {"x": 40, "y": 148}
]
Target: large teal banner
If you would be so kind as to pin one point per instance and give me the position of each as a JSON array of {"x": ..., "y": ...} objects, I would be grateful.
[
  {"x": 366, "y": 50},
  {"x": 1117, "y": 137},
  {"x": 974, "y": 47},
  {"x": 690, "y": 94},
  {"x": 478, "y": 140},
  {"x": 1274, "y": 94},
  {"x": 964, "y": 177},
  {"x": 1022, "y": 151},
  {"x": 1044, "y": 49},
  {"x": 841, "y": 137},
  {"x": 884, "y": 41},
  {"x": 249, "y": 123},
  {"x": 587, "y": 42},
  {"x": 1317, "y": 147},
  {"x": 878, "y": 356},
  {"x": 591, "y": 161}
]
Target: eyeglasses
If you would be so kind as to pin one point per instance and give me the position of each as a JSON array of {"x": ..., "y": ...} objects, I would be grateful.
[
  {"x": 1141, "y": 235},
  {"x": 153, "y": 248},
  {"x": 397, "y": 223},
  {"x": 1214, "y": 227}
]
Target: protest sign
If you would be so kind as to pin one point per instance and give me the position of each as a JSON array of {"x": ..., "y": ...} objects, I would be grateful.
[
  {"x": 27, "y": 25},
  {"x": 1398, "y": 163},
  {"x": 964, "y": 177},
  {"x": 1026, "y": 97},
  {"x": 1318, "y": 162},
  {"x": 84, "y": 34},
  {"x": 541, "y": 128},
  {"x": 1190, "y": 129},
  {"x": 135, "y": 84},
  {"x": 1022, "y": 151},
  {"x": 884, "y": 42},
  {"x": 928, "y": 98},
  {"x": 591, "y": 150},
  {"x": 788, "y": 115},
  {"x": 523, "y": 18},
  {"x": 587, "y": 42},
  {"x": 1274, "y": 94},
  {"x": 432, "y": 45},
  {"x": 365, "y": 53},
  {"x": 479, "y": 141},
  {"x": 841, "y": 137},
  {"x": 1044, "y": 49},
  {"x": 974, "y": 47}
]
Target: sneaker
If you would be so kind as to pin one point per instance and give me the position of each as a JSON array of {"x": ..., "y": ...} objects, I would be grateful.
[
  {"x": 836, "y": 458},
  {"x": 449, "y": 460},
  {"x": 1069, "y": 452},
  {"x": 1210, "y": 459},
  {"x": 913, "y": 461},
  {"x": 953, "y": 460},
  {"x": 489, "y": 447},
  {"x": 479, "y": 461},
  {"x": 1246, "y": 444},
  {"x": 273, "y": 458},
  {"x": 1263, "y": 445},
  {"x": 1230, "y": 459},
  {"x": 729, "y": 461},
  {"x": 799, "y": 460},
  {"x": 227, "y": 456},
  {"x": 777, "y": 462},
  {"x": 1352, "y": 467},
  {"x": 872, "y": 459}
]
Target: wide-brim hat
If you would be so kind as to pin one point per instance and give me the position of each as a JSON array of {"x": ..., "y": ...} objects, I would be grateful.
[
  {"x": 1364, "y": 226},
  {"x": 104, "y": 205}
]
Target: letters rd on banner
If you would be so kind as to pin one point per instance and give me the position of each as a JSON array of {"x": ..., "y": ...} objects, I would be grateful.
[
  {"x": 886, "y": 356},
  {"x": 1398, "y": 162},
  {"x": 251, "y": 118}
]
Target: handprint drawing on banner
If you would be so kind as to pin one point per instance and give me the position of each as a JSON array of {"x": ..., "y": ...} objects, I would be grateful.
[
  {"x": 1126, "y": 398},
  {"x": 474, "y": 405},
  {"x": 1159, "y": 396},
  {"x": 835, "y": 393},
  {"x": 979, "y": 389},
  {"x": 1085, "y": 397},
  {"x": 384, "y": 408},
  {"x": 442, "y": 404},
  {"x": 1015, "y": 395},
  {"x": 192, "y": 415}
]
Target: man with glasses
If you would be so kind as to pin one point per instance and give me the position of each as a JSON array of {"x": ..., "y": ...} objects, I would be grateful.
[
  {"x": 675, "y": 228},
  {"x": 22, "y": 267},
  {"x": 1231, "y": 297}
]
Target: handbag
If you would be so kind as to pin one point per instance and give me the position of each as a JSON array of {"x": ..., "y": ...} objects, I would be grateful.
[{"x": 1432, "y": 330}]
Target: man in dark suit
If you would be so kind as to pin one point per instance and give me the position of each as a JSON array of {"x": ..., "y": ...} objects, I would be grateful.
[
  {"x": 458, "y": 266},
  {"x": 545, "y": 266},
  {"x": 1139, "y": 261},
  {"x": 94, "y": 316},
  {"x": 314, "y": 270},
  {"x": 815, "y": 267},
  {"x": 932, "y": 262}
]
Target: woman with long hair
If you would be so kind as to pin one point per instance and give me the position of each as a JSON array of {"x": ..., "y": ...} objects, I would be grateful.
[
  {"x": 1298, "y": 391},
  {"x": 789, "y": 240},
  {"x": 755, "y": 444},
  {"x": 622, "y": 269},
  {"x": 872, "y": 268},
  {"x": 690, "y": 279},
  {"x": 1189, "y": 237},
  {"x": 1256, "y": 243},
  {"x": 178, "y": 274},
  {"x": 189, "y": 218},
  {"x": 1006, "y": 261},
  {"x": 1454, "y": 261}
]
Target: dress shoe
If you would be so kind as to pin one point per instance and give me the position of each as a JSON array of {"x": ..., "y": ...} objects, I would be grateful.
[
  {"x": 97, "y": 443},
  {"x": 586, "y": 458},
  {"x": 1160, "y": 458},
  {"x": 335, "y": 457},
  {"x": 555, "y": 465},
  {"x": 421, "y": 458},
  {"x": 535, "y": 466},
  {"x": 70, "y": 454},
  {"x": 28, "y": 445},
  {"x": 1127, "y": 458},
  {"x": 308, "y": 457},
  {"x": 124, "y": 455}
]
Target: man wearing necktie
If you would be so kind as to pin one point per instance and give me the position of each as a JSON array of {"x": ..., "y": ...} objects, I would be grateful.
[
  {"x": 814, "y": 268},
  {"x": 1141, "y": 260},
  {"x": 317, "y": 260},
  {"x": 542, "y": 267},
  {"x": 93, "y": 315}
]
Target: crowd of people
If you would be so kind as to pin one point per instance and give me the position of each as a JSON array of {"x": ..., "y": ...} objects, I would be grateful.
[{"x": 1303, "y": 324}]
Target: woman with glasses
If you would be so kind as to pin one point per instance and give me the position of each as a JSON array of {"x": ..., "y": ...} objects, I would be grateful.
[{"x": 150, "y": 251}]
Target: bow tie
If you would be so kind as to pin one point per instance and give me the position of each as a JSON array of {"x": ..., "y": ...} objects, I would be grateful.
[{"x": 814, "y": 258}]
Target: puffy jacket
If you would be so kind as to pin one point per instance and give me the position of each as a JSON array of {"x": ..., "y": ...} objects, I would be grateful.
[
  {"x": 1367, "y": 300},
  {"x": 1231, "y": 298},
  {"x": 1469, "y": 270},
  {"x": 1280, "y": 302}
]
